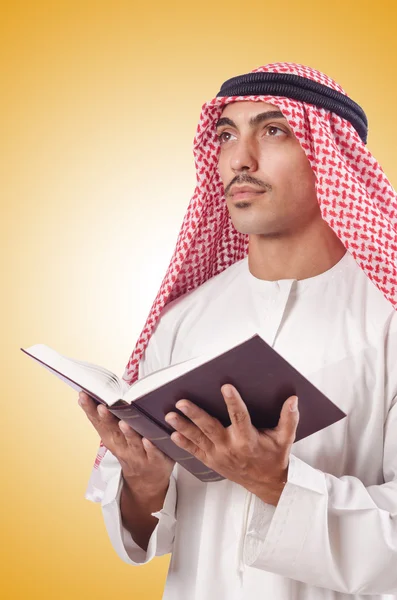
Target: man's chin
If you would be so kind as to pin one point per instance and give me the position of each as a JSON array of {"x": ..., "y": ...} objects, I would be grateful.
[{"x": 253, "y": 228}]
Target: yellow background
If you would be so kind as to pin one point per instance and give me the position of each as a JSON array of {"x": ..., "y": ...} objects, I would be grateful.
[{"x": 98, "y": 107}]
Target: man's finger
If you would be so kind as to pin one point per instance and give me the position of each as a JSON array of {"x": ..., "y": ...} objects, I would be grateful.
[
  {"x": 154, "y": 454},
  {"x": 104, "y": 422},
  {"x": 90, "y": 408},
  {"x": 181, "y": 441},
  {"x": 237, "y": 409},
  {"x": 190, "y": 431},
  {"x": 132, "y": 438},
  {"x": 288, "y": 422},
  {"x": 211, "y": 427}
]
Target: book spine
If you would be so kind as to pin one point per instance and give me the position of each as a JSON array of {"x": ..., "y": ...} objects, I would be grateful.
[{"x": 160, "y": 437}]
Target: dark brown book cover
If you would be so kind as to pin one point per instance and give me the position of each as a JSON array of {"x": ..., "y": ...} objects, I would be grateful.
[{"x": 263, "y": 378}]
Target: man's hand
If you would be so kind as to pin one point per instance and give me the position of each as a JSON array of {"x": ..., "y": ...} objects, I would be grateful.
[
  {"x": 257, "y": 460},
  {"x": 146, "y": 469}
]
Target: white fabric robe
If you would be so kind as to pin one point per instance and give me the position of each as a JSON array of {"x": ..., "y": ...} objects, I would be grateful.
[{"x": 333, "y": 534}]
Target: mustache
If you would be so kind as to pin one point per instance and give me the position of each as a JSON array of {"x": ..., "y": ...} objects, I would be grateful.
[{"x": 245, "y": 178}]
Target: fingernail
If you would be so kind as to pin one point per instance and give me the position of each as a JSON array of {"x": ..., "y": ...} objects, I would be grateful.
[
  {"x": 228, "y": 391},
  {"x": 182, "y": 407},
  {"x": 171, "y": 419},
  {"x": 102, "y": 410},
  {"x": 294, "y": 405}
]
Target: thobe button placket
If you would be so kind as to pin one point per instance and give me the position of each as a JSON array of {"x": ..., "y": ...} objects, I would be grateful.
[{"x": 274, "y": 310}]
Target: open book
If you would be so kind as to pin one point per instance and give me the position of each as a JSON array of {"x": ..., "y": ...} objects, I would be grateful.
[{"x": 263, "y": 378}]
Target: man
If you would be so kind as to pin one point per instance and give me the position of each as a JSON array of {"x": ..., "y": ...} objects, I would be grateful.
[{"x": 291, "y": 234}]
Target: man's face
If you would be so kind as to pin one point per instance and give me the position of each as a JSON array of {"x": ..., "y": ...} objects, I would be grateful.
[{"x": 269, "y": 184}]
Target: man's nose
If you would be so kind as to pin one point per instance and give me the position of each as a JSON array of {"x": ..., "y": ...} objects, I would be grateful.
[{"x": 244, "y": 157}]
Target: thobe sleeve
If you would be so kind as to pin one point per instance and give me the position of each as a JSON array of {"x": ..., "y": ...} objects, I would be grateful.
[
  {"x": 332, "y": 532},
  {"x": 162, "y": 537}
]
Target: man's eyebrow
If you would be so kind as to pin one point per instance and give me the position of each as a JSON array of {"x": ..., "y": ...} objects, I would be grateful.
[{"x": 265, "y": 116}]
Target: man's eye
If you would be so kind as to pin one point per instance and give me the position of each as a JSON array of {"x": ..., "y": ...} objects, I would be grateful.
[
  {"x": 274, "y": 131},
  {"x": 224, "y": 137}
]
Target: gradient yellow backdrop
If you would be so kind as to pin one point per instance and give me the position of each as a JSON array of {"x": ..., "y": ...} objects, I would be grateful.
[{"x": 99, "y": 104}]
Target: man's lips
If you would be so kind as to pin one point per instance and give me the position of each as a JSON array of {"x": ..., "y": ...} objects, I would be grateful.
[{"x": 242, "y": 193}]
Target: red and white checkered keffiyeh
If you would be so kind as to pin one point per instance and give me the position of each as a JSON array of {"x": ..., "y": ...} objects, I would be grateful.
[{"x": 356, "y": 200}]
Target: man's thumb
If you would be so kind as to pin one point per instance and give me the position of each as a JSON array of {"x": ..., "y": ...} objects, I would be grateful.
[{"x": 289, "y": 419}]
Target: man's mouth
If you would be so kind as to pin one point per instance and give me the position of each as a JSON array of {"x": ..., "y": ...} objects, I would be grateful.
[{"x": 244, "y": 193}]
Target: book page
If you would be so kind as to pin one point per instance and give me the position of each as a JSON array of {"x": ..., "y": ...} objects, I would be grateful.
[{"x": 78, "y": 374}]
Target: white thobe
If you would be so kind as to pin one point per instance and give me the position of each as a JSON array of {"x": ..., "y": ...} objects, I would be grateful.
[{"x": 333, "y": 534}]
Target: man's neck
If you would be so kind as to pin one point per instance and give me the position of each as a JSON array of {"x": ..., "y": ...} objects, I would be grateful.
[{"x": 297, "y": 256}]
